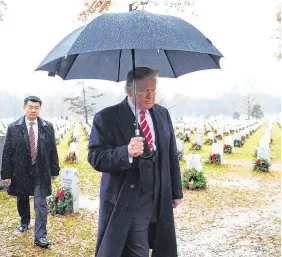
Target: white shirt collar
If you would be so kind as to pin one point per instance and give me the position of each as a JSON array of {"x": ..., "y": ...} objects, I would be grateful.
[
  {"x": 27, "y": 121},
  {"x": 132, "y": 107}
]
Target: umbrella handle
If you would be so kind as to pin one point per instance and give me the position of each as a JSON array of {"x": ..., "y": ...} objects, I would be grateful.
[{"x": 137, "y": 131}]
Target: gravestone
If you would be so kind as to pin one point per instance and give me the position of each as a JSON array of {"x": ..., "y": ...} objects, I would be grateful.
[
  {"x": 237, "y": 136},
  {"x": 198, "y": 139},
  {"x": 247, "y": 131},
  {"x": 217, "y": 148},
  {"x": 2, "y": 140},
  {"x": 74, "y": 147},
  {"x": 208, "y": 127},
  {"x": 62, "y": 132},
  {"x": 200, "y": 130},
  {"x": 211, "y": 135},
  {"x": 57, "y": 137},
  {"x": 194, "y": 161},
  {"x": 88, "y": 130},
  {"x": 181, "y": 130},
  {"x": 220, "y": 131},
  {"x": 242, "y": 133},
  {"x": 188, "y": 133},
  {"x": 267, "y": 133},
  {"x": 264, "y": 141},
  {"x": 76, "y": 131},
  {"x": 180, "y": 149},
  {"x": 229, "y": 140},
  {"x": 263, "y": 151},
  {"x": 70, "y": 181}
]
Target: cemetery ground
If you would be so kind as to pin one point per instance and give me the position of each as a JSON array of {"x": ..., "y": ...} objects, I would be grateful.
[{"x": 237, "y": 215}]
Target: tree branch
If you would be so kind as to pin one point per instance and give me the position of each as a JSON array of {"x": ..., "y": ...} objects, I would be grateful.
[{"x": 3, "y": 5}]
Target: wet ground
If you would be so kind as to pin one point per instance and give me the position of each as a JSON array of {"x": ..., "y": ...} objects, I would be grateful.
[{"x": 250, "y": 230}]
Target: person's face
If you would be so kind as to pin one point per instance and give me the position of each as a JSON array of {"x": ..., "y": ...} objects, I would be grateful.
[
  {"x": 146, "y": 94},
  {"x": 32, "y": 110}
]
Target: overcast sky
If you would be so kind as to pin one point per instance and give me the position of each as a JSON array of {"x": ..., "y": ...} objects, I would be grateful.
[{"x": 240, "y": 29}]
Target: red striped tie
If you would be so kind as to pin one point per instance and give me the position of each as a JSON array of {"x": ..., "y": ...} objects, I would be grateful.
[
  {"x": 146, "y": 130},
  {"x": 32, "y": 143}
]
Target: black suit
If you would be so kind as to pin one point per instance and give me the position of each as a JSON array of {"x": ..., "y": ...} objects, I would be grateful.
[{"x": 28, "y": 179}]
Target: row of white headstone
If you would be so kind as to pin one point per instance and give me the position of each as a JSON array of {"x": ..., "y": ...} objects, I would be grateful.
[
  {"x": 61, "y": 128},
  {"x": 194, "y": 161},
  {"x": 228, "y": 140},
  {"x": 240, "y": 129},
  {"x": 220, "y": 126}
]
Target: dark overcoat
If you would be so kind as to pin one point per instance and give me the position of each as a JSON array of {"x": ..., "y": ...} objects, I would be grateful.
[
  {"x": 16, "y": 159},
  {"x": 112, "y": 130}
]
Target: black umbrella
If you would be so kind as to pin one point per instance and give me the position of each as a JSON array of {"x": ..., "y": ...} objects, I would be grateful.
[{"x": 113, "y": 43}]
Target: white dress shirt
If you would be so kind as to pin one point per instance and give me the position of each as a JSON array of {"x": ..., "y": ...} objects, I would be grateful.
[
  {"x": 149, "y": 121},
  {"x": 148, "y": 118},
  {"x": 35, "y": 129}
]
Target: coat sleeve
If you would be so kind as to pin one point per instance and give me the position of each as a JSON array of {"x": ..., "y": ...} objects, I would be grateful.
[
  {"x": 6, "y": 169},
  {"x": 54, "y": 159},
  {"x": 176, "y": 182},
  {"x": 103, "y": 154}
]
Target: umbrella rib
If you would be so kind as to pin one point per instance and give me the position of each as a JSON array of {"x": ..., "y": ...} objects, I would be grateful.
[
  {"x": 119, "y": 64},
  {"x": 71, "y": 66},
  {"x": 214, "y": 61},
  {"x": 170, "y": 64}
]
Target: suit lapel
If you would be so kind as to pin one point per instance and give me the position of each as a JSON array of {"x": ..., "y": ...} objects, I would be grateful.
[
  {"x": 159, "y": 127},
  {"x": 23, "y": 130},
  {"x": 41, "y": 135},
  {"x": 126, "y": 121}
]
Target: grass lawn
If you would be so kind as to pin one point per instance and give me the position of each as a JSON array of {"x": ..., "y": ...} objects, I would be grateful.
[{"x": 232, "y": 187}]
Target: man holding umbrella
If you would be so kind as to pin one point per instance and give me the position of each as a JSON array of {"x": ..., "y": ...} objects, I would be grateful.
[{"x": 141, "y": 180}]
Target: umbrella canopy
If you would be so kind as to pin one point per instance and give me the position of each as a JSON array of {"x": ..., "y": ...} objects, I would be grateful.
[{"x": 102, "y": 49}]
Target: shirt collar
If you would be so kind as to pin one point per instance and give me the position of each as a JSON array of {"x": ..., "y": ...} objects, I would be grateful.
[
  {"x": 27, "y": 121},
  {"x": 132, "y": 107}
]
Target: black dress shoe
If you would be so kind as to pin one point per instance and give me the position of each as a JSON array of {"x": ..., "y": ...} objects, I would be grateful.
[
  {"x": 23, "y": 227},
  {"x": 42, "y": 242}
]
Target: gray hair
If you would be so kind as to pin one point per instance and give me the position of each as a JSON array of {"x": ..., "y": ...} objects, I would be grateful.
[{"x": 141, "y": 73}]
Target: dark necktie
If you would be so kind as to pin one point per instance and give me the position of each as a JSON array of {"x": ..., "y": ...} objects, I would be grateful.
[{"x": 32, "y": 143}]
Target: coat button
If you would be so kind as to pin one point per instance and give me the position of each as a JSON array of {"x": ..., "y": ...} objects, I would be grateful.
[{"x": 132, "y": 186}]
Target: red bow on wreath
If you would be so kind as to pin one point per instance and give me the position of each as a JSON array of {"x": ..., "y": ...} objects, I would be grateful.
[{"x": 60, "y": 194}]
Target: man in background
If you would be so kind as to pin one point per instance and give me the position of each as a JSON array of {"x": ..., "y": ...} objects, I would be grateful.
[{"x": 29, "y": 161}]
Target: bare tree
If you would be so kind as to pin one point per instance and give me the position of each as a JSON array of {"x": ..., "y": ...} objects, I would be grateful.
[
  {"x": 99, "y": 6},
  {"x": 84, "y": 103},
  {"x": 3, "y": 5},
  {"x": 248, "y": 103}
]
